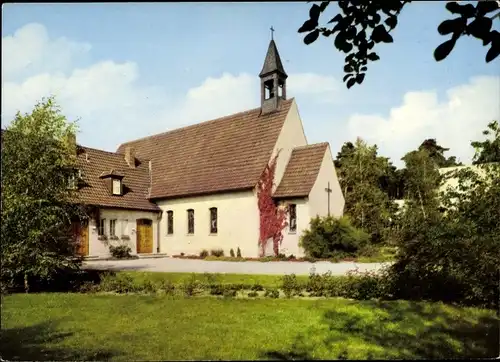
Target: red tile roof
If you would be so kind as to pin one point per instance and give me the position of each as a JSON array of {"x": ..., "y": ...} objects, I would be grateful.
[
  {"x": 94, "y": 163},
  {"x": 229, "y": 153},
  {"x": 301, "y": 171}
]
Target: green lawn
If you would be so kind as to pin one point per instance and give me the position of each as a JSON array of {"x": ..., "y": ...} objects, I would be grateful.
[{"x": 133, "y": 327}]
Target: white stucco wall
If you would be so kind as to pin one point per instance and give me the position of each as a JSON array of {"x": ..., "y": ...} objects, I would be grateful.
[
  {"x": 101, "y": 249},
  {"x": 237, "y": 224},
  {"x": 290, "y": 244},
  {"x": 291, "y": 136},
  {"x": 318, "y": 198}
]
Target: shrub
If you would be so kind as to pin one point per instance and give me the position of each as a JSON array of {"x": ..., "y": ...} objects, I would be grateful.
[
  {"x": 217, "y": 252},
  {"x": 118, "y": 283},
  {"x": 229, "y": 293},
  {"x": 88, "y": 287},
  {"x": 203, "y": 253},
  {"x": 266, "y": 259},
  {"x": 191, "y": 286},
  {"x": 168, "y": 287},
  {"x": 211, "y": 278},
  {"x": 236, "y": 286},
  {"x": 281, "y": 257},
  {"x": 238, "y": 252},
  {"x": 217, "y": 289},
  {"x": 272, "y": 293},
  {"x": 290, "y": 285},
  {"x": 146, "y": 286},
  {"x": 337, "y": 256},
  {"x": 292, "y": 257},
  {"x": 257, "y": 288},
  {"x": 125, "y": 237},
  {"x": 231, "y": 253},
  {"x": 222, "y": 258},
  {"x": 120, "y": 251},
  {"x": 253, "y": 294},
  {"x": 327, "y": 235},
  {"x": 360, "y": 286}
]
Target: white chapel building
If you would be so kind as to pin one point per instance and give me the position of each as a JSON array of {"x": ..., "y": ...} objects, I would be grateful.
[{"x": 194, "y": 188}]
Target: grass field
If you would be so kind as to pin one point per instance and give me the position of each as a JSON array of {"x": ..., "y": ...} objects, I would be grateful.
[{"x": 55, "y": 326}]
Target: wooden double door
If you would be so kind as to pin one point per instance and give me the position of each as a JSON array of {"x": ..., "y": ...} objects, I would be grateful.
[
  {"x": 144, "y": 236},
  {"x": 80, "y": 232}
]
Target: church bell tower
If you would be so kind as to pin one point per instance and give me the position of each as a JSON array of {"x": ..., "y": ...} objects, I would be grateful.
[{"x": 272, "y": 80}]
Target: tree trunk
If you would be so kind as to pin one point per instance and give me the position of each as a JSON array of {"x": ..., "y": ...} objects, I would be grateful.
[{"x": 422, "y": 204}]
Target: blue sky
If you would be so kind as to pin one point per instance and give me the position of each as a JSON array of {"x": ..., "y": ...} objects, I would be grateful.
[{"x": 129, "y": 70}]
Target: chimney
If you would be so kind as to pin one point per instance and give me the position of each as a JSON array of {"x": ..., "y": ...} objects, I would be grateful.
[{"x": 130, "y": 157}]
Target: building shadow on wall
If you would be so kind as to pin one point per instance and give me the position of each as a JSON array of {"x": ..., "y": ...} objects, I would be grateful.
[
  {"x": 36, "y": 343},
  {"x": 395, "y": 330}
]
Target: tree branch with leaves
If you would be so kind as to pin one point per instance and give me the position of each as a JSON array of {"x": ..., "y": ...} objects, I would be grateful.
[{"x": 360, "y": 25}]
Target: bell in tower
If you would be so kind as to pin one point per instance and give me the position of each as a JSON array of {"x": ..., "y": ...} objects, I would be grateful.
[{"x": 272, "y": 80}]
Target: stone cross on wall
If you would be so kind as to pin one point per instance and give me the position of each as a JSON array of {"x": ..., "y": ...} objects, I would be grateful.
[{"x": 328, "y": 192}]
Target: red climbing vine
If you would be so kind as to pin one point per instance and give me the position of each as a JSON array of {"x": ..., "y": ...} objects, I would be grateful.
[{"x": 272, "y": 217}]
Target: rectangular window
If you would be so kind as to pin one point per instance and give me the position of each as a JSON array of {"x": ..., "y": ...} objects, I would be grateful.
[
  {"x": 170, "y": 222},
  {"x": 117, "y": 187},
  {"x": 112, "y": 227},
  {"x": 213, "y": 220},
  {"x": 125, "y": 227},
  {"x": 190, "y": 214},
  {"x": 293, "y": 217},
  {"x": 101, "y": 229}
]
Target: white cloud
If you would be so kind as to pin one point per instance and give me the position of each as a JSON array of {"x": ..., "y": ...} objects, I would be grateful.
[
  {"x": 30, "y": 51},
  {"x": 113, "y": 107},
  {"x": 323, "y": 88},
  {"x": 107, "y": 99},
  {"x": 454, "y": 122}
]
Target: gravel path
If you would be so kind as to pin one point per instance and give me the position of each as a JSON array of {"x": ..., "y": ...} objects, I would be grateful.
[{"x": 248, "y": 267}]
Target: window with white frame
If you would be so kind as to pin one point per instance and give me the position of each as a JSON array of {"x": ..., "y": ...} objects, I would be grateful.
[
  {"x": 117, "y": 186},
  {"x": 112, "y": 227},
  {"x": 102, "y": 225}
]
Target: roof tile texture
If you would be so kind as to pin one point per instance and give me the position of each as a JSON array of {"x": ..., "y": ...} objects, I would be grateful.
[
  {"x": 301, "y": 171},
  {"x": 229, "y": 153},
  {"x": 93, "y": 163}
]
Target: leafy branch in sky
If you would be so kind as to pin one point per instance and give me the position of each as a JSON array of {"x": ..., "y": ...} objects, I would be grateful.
[{"x": 362, "y": 24}]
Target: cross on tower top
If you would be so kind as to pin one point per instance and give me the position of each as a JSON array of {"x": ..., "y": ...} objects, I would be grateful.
[{"x": 272, "y": 32}]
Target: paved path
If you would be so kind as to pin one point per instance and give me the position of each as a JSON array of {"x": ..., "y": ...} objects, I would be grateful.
[{"x": 248, "y": 267}]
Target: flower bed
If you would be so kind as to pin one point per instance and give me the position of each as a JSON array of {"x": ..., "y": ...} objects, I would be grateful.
[{"x": 262, "y": 259}]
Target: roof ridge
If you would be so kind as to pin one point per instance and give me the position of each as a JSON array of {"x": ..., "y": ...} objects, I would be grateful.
[
  {"x": 197, "y": 124},
  {"x": 99, "y": 150},
  {"x": 312, "y": 145},
  {"x": 111, "y": 153}
]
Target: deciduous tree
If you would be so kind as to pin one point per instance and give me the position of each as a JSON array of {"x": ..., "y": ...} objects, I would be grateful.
[{"x": 38, "y": 158}]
